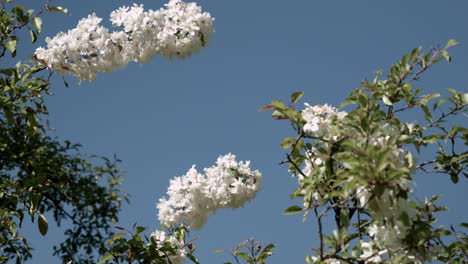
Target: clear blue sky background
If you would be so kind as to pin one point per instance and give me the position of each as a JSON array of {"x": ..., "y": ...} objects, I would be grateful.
[{"x": 162, "y": 117}]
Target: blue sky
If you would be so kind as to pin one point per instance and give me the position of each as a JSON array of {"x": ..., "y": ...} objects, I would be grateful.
[{"x": 162, "y": 117}]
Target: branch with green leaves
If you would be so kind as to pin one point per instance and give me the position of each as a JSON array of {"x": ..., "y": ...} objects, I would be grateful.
[{"x": 357, "y": 165}]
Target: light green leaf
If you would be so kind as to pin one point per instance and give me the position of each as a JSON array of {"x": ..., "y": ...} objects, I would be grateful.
[
  {"x": 386, "y": 100},
  {"x": 278, "y": 104},
  {"x": 451, "y": 43},
  {"x": 33, "y": 35},
  {"x": 11, "y": 45},
  {"x": 244, "y": 255},
  {"x": 287, "y": 142},
  {"x": 105, "y": 258},
  {"x": 59, "y": 9},
  {"x": 431, "y": 96},
  {"x": 37, "y": 23},
  {"x": 115, "y": 237}
]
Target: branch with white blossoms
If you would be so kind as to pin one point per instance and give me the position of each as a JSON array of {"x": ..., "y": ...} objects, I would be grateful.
[
  {"x": 356, "y": 168},
  {"x": 195, "y": 196},
  {"x": 178, "y": 30}
]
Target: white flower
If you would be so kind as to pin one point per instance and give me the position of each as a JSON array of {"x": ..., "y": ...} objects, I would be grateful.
[
  {"x": 162, "y": 238},
  {"x": 194, "y": 196},
  {"x": 319, "y": 119},
  {"x": 362, "y": 195},
  {"x": 328, "y": 261},
  {"x": 370, "y": 254},
  {"x": 179, "y": 30}
]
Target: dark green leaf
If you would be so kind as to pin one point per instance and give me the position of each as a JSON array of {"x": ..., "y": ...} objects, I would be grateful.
[
  {"x": 42, "y": 224},
  {"x": 454, "y": 177},
  {"x": 296, "y": 96},
  {"x": 193, "y": 258},
  {"x": 293, "y": 210}
]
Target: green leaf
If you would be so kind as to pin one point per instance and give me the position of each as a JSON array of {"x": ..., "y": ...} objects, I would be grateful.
[
  {"x": 37, "y": 23},
  {"x": 431, "y": 96},
  {"x": 65, "y": 82},
  {"x": 454, "y": 177},
  {"x": 293, "y": 210},
  {"x": 269, "y": 247},
  {"x": 404, "y": 218},
  {"x": 11, "y": 45},
  {"x": 287, "y": 142},
  {"x": 451, "y": 43},
  {"x": 18, "y": 11},
  {"x": 373, "y": 205},
  {"x": 244, "y": 255},
  {"x": 296, "y": 96},
  {"x": 278, "y": 104},
  {"x": 439, "y": 102},
  {"x": 427, "y": 113},
  {"x": 42, "y": 224},
  {"x": 278, "y": 115},
  {"x": 344, "y": 217},
  {"x": 115, "y": 237},
  {"x": 105, "y": 258},
  {"x": 193, "y": 258},
  {"x": 453, "y": 92},
  {"x": 59, "y": 9},
  {"x": 33, "y": 35},
  {"x": 9, "y": 115}
]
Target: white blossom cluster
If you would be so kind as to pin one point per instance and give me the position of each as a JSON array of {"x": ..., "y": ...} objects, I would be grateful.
[
  {"x": 162, "y": 238},
  {"x": 388, "y": 231},
  {"x": 327, "y": 261},
  {"x": 319, "y": 119},
  {"x": 194, "y": 196},
  {"x": 178, "y": 30},
  {"x": 317, "y": 196}
]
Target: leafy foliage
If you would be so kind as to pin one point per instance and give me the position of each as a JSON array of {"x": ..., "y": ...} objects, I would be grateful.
[
  {"x": 352, "y": 168},
  {"x": 359, "y": 169},
  {"x": 254, "y": 252},
  {"x": 40, "y": 176},
  {"x": 134, "y": 247}
]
